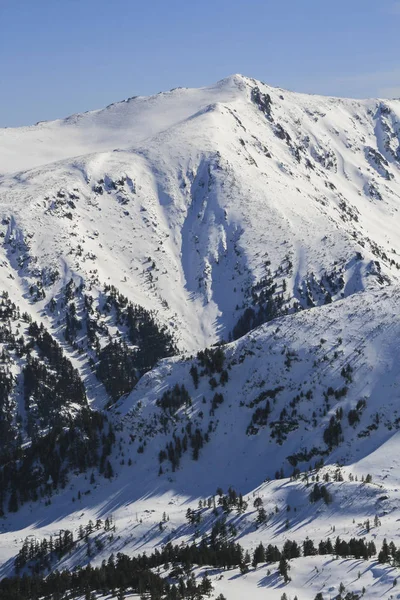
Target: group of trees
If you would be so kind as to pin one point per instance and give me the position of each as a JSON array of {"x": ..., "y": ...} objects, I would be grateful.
[
  {"x": 267, "y": 304},
  {"x": 389, "y": 553},
  {"x": 120, "y": 366},
  {"x": 51, "y": 382},
  {"x": 56, "y": 431},
  {"x": 320, "y": 492},
  {"x": 211, "y": 360},
  {"x": 36, "y": 470},
  {"x": 231, "y": 500},
  {"x": 118, "y": 360},
  {"x": 7, "y": 431},
  {"x": 355, "y": 547},
  {"x": 117, "y": 368},
  {"x": 137, "y": 574},
  {"x": 37, "y": 556},
  {"x": 280, "y": 428},
  {"x": 179, "y": 446},
  {"x": 174, "y": 399},
  {"x": 333, "y": 433},
  {"x": 259, "y": 418}
]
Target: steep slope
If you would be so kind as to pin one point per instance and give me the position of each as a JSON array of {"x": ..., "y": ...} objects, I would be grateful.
[
  {"x": 330, "y": 380},
  {"x": 278, "y": 392},
  {"x": 138, "y": 236},
  {"x": 251, "y": 193}
]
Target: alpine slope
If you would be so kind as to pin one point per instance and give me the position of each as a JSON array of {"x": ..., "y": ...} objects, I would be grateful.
[{"x": 203, "y": 286}]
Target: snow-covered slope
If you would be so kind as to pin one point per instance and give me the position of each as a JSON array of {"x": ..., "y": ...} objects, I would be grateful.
[
  {"x": 336, "y": 362},
  {"x": 166, "y": 224},
  {"x": 308, "y": 367},
  {"x": 181, "y": 199}
]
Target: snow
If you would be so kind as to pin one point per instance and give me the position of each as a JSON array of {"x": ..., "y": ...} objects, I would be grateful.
[
  {"x": 210, "y": 192},
  {"x": 309, "y": 576},
  {"x": 198, "y": 180}
]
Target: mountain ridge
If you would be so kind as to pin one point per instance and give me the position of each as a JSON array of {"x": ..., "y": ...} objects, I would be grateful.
[{"x": 236, "y": 82}]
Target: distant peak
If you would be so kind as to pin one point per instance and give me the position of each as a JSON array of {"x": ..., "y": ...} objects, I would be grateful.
[{"x": 235, "y": 80}]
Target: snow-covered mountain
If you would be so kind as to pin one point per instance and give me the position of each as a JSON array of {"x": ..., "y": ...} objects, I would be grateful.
[
  {"x": 200, "y": 189},
  {"x": 156, "y": 228}
]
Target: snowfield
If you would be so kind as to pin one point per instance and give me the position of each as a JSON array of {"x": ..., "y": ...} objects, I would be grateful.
[{"x": 198, "y": 205}]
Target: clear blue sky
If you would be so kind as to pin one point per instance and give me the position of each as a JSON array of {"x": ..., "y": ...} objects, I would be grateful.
[{"x": 58, "y": 57}]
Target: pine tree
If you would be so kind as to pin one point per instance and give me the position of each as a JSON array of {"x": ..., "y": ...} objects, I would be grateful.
[
  {"x": 284, "y": 569},
  {"x": 259, "y": 555},
  {"x": 261, "y": 516}
]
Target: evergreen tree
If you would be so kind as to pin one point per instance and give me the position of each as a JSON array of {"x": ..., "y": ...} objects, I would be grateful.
[
  {"x": 259, "y": 555},
  {"x": 283, "y": 569}
]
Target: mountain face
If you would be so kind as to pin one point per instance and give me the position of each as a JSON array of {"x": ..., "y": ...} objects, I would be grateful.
[
  {"x": 193, "y": 202},
  {"x": 200, "y": 291}
]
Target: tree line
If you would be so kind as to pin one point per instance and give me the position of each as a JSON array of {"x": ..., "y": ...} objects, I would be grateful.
[{"x": 136, "y": 574}]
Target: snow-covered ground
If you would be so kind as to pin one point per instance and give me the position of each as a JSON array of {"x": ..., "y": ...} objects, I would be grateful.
[
  {"x": 183, "y": 201},
  {"x": 309, "y": 577},
  {"x": 209, "y": 187},
  {"x": 359, "y": 331}
]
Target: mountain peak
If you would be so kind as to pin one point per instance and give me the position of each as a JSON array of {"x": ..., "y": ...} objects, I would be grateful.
[{"x": 236, "y": 79}]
